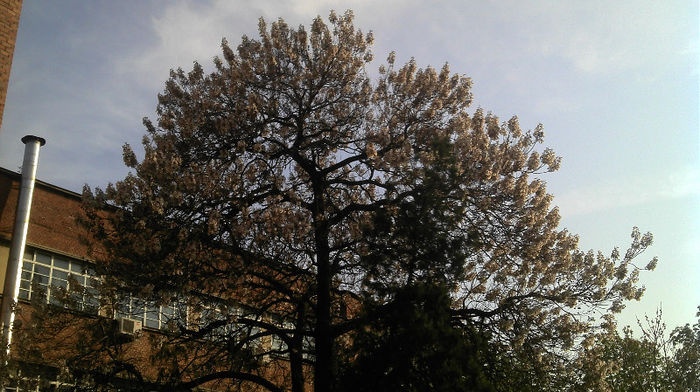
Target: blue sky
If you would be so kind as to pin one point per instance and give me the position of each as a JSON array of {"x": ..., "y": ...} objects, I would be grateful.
[{"x": 614, "y": 83}]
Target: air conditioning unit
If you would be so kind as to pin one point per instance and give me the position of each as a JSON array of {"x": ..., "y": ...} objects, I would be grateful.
[{"x": 129, "y": 326}]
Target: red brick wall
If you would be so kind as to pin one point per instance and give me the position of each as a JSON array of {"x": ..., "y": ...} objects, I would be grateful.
[
  {"x": 53, "y": 223},
  {"x": 9, "y": 22}
]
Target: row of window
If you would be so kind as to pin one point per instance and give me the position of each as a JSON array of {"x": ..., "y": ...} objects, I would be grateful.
[
  {"x": 60, "y": 280},
  {"x": 149, "y": 314},
  {"x": 63, "y": 281},
  {"x": 34, "y": 386}
]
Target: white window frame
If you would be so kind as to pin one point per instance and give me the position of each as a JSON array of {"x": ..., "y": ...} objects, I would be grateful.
[
  {"x": 150, "y": 315},
  {"x": 47, "y": 271}
]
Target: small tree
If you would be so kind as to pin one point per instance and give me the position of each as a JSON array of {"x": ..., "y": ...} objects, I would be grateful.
[
  {"x": 653, "y": 362},
  {"x": 286, "y": 190},
  {"x": 638, "y": 364},
  {"x": 685, "y": 362}
]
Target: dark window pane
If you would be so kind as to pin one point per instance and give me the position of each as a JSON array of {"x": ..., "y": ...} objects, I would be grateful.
[
  {"x": 137, "y": 307},
  {"x": 168, "y": 312},
  {"x": 39, "y": 291},
  {"x": 152, "y": 311},
  {"x": 59, "y": 283},
  {"x": 41, "y": 279},
  {"x": 123, "y": 307},
  {"x": 91, "y": 293},
  {"x": 92, "y": 304},
  {"x": 43, "y": 258},
  {"x": 60, "y": 274},
  {"x": 41, "y": 270},
  {"x": 150, "y": 323},
  {"x": 60, "y": 263},
  {"x": 137, "y": 317},
  {"x": 79, "y": 279},
  {"x": 77, "y": 267},
  {"x": 77, "y": 298},
  {"x": 182, "y": 310}
]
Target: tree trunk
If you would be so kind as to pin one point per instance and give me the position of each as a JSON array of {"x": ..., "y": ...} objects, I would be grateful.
[
  {"x": 296, "y": 366},
  {"x": 295, "y": 350},
  {"x": 324, "y": 367},
  {"x": 324, "y": 342}
]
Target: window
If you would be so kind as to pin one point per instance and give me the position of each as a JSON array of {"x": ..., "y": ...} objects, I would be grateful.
[
  {"x": 308, "y": 345},
  {"x": 44, "y": 273},
  {"x": 215, "y": 313},
  {"x": 277, "y": 345},
  {"x": 232, "y": 328},
  {"x": 149, "y": 314},
  {"x": 35, "y": 378}
]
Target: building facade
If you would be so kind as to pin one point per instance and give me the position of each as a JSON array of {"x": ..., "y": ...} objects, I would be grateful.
[
  {"x": 57, "y": 258},
  {"x": 53, "y": 225}
]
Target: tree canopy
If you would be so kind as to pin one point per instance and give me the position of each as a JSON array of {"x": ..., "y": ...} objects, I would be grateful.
[
  {"x": 654, "y": 362},
  {"x": 286, "y": 191}
]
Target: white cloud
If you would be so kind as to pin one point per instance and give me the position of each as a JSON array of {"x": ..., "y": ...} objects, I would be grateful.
[
  {"x": 183, "y": 33},
  {"x": 615, "y": 194},
  {"x": 188, "y": 31},
  {"x": 601, "y": 36}
]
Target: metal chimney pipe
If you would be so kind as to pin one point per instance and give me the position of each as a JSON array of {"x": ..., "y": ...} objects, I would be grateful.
[{"x": 19, "y": 235}]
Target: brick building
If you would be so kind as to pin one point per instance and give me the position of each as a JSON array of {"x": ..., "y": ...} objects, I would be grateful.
[
  {"x": 54, "y": 248},
  {"x": 55, "y": 257},
  {"x": 9, "y": 23}
]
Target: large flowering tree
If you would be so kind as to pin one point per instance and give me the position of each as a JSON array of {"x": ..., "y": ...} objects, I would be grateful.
[{"x": 284, "y": 190}]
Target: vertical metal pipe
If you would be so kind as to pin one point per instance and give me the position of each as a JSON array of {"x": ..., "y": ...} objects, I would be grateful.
[{"x": 19, "y": 235}]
